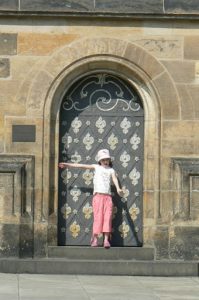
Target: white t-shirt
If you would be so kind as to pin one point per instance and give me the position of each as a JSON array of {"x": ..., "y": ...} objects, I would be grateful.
[{"x": 102, "y": 179}]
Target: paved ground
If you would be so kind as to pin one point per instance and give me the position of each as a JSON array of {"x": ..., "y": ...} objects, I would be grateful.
[{"x": 82, "y": 287}]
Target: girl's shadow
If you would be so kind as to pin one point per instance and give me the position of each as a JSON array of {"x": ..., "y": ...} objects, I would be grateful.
[{"x": 122, "y": 213}]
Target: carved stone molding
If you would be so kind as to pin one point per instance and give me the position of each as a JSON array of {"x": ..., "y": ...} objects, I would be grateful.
[
  {"x": 18, "y": 171},
  {"x": 186, "y": 187}
]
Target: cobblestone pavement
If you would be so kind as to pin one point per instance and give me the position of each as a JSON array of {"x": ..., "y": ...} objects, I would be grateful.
[{"x": 83, "y": 287}]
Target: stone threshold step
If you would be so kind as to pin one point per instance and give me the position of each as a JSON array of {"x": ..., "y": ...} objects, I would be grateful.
[
  {"x": 98, "y": 253},
  {"x": 104, "y": 267}
]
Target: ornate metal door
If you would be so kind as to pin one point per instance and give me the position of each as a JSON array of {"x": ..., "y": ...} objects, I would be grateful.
[{"x": 101, "y": 111}]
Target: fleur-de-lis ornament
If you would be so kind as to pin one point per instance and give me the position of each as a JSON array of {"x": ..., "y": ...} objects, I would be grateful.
[
  {"x": 125, "y": 125},
  {"x": 76, "y": 124},
  {"x": 112, "y": 141},
  {"x": 134, "y": 212},
  {"x": 74, "y": 229},
  {"x": 87, "y": 210},
  {"x": 125, "y": 158},
  {"x": 75, "y": 193},
  {"x": 88, "y": 140},
  {"x": 100, "y": 124},
  {"x": 124, "y": 229},
  {"x": 87, "y": 176},
  {"x": 135, "y": 141},
  {"x": 134, "y": 176}
]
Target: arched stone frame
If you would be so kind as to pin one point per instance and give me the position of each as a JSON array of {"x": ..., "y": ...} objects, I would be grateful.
[{"x": 125, "y": 60}]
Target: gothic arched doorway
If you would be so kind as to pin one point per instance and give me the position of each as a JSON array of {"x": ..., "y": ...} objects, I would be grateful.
[{"x": 101, "y": 111}]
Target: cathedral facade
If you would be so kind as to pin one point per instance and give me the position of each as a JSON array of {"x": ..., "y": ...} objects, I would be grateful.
[{"x": 78, "y": 76}]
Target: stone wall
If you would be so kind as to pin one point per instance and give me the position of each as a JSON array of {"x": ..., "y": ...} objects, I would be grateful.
[
  {"x": 154, "y": 7},
  {"x": 38, "y": 59}
]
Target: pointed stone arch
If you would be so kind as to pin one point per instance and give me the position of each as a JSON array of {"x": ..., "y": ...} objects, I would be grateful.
[{"x": 122, "y": 58}]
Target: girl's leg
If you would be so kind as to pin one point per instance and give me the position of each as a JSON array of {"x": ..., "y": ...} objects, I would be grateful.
[
  {"x": 94, "y": 242},
  {"x": 97, "y": 218},
  {"x": 107, "y": 225},
  {"x": 106, "y": 240},
  {"x": 106, "y": 236}
]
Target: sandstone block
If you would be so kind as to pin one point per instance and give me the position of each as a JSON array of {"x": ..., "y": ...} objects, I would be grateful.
[
  {"x": 180, "y": 130},
  {"x": 194, "y": 196},
  {"x": 193, "y": 91},
  {"x": 57, "y": 5},
  {"x": 145, "y": 61},
  {"x": 181, "y": 6},
  {"x": 184, "y": 242},
  {"x": 166, "y": 206},
  {"x": 178, "y": 146},
  {"x": 187, "y": 104},
  {"x": 42, "y": 43},
  {"x": 181, "y": 71},
  {"x": 128, "y": 6},
  {"x": 9, "y": 240},
  {"x": 149, "y": 204},
  {"x": 9, "y": 4},
  {"x": 4, "y": 67},
  {"x": 8, "y": 44},
  {"x": 191, "y": 46},
  {"x": 161, "y": 240},
  {"x": 161, "y": 47},
  {"x": 168, "y": 97}
]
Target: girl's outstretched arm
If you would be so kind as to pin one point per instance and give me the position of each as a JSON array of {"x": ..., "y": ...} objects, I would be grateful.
[{"x": 75, "y": 165}]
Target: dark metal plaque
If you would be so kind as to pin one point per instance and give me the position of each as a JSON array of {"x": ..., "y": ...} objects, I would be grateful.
[{"x": 23, "y": 133}]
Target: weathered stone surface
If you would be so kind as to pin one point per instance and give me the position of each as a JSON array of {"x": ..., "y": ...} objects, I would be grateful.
[
  {"x": 185, "y": 181},
  {"x": 40, "y": 239},
  {"x": 161, "y": 47},
  {"x": 129, "y": 6},
  {"x": 181, "y": 71},
  {"x": 187, "y": 104},
  {"x": 178, "y": 146},
  {"x": 4, "y": 67},
  {"x": 184, "y": 242},
  {"x": 6, "y": 194},
  {"x": 37, "y": 97},
  {"x": 16, "y": 204},
  {"x": 113, "y": 6},
  {"x": 9, "y": 240},
  {"x": 191, "y": 46},
  {"x": 16, "y": 240},
  {"x": 168, "y": 96},
  {"x": 162, "y": 242},
  {"x": 8, "y": 44},
  {"x": 42, "y": 44},
  {"x": 194, "y": 196},
  {"x": 181, "y": 6},
  {"x": 193, "y": 91},
  {"x": 8, "y": 4},
  {"x": 182, "y": 130},
  {"x": 147, "y": 62},
  {"x": 166, "y": 207},
  {"x": 26, "y": 240},
  {"x": 57, "y": 5},
  {"x": 148, "y": 204},
  {"x": 20, "y": 194}
]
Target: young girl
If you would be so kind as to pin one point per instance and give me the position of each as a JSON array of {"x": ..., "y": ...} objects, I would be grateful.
[{"x": 102, "y": 200}]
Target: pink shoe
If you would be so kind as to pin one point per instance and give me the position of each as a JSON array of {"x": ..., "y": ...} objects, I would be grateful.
[
  {"x": 107, "y": 244},
  {"x": 94, "y": 242}
]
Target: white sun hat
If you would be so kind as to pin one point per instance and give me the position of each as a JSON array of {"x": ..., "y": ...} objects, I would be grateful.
[{"x": 103, "y": 154}]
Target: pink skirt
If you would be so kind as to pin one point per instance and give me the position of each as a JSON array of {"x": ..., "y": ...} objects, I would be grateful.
[{"x": 102, "y": 213}]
